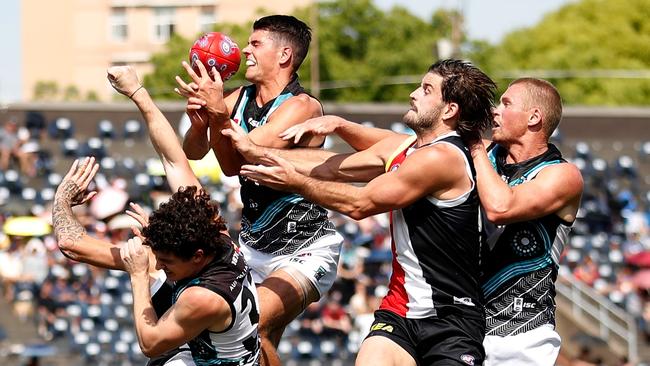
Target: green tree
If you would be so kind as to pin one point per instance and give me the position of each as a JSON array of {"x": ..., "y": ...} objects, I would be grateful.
[
  {"x": 46, "y": 90},
  {"x": 363, "y": 51},
  {"x": 71, "y": 93},
  {"x": 370, "y": 55},
  {"x": 580, "y": 42}
]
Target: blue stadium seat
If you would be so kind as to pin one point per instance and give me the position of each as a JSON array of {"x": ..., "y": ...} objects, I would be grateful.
[
  {"x": 70, "y": 148},
  {"x": 133, "y": 130},
  {"x": 105, "y": 129},
  {"x": 94, "y": 147},
  {"x": 61, "y": 128}
]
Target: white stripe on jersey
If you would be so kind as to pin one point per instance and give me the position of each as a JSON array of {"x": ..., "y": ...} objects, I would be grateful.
[{"x": 420, "y": 303}]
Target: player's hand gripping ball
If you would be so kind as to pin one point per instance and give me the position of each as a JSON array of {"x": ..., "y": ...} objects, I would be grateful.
[{"x": 217, "y": 50}]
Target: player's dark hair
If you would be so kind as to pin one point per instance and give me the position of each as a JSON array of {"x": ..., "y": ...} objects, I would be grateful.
[
  {"x": 187, "y": 222},
  {"x": 288, "y": 30},
  {"x": 470, "y": 88},
  {"x": 544, "y": 95}
]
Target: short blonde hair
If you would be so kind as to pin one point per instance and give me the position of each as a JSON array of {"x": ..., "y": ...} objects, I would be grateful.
[{"x": 544, "y": 95}]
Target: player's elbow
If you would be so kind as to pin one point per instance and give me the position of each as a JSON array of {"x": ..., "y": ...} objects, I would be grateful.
[
  {"x": 497, "y": 216},
  {"x": 67, "y": 248},
  {"x": 151, "y": 349},
  {"x": 358, "y": 212}
]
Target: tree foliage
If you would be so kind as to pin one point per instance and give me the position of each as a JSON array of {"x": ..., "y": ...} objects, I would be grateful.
[
  {"x": 583, "y": 40},
  {"x": 360, "y": 48}
]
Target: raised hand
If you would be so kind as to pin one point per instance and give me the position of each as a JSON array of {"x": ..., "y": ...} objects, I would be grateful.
[
  {"x": 73, "y": 186},
  {"x": 319, "y": 126},
  {"x": 123, "y": 79},
  {"x": 135, "y": 257},
  {"x": 203, "y": 91},
  {"x": 138, "y": 213},
  {"x": 241, "y": 141},
  {"x": 276, "y": 173}
]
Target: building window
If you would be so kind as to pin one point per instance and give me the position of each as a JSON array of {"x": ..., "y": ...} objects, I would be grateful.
[
  {"x": 163, "y": 24},
  {"x": 207, "y": 19},
  {"x": 119, "y": 25}
]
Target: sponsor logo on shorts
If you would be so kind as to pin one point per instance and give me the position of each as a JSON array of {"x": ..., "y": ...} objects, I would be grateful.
[
  {"x": 320, "y": 272},
  {"x": 468, "y": 359},
  {"x": 463, "y": 301},
  {"x": 297, "y": 260},
  {"x": 383, "y": 327}
]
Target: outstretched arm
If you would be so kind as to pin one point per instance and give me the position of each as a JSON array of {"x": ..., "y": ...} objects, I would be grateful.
[
  {"x": 72, "y": 239},
  {"x": 206, "y": 97},
  {"x": 446, "y": 177},
  {"x": 358, "y": 136},
  {"x": 125, "y": 80},
  {"x": 205, "y": 93},
  {"x": 321, "y": 164}
]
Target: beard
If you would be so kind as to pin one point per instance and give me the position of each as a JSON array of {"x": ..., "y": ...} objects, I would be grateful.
[{"x": 422, "y": 122}]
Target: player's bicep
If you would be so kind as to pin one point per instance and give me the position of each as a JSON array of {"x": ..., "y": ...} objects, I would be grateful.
[
  {"x": 554, "y": 187},
  {"x": 292, "y": 112},
  {"x": 185, "y": 320},
  {"x": 362, "y": 166},
  {"x": 402, "y": 187}
]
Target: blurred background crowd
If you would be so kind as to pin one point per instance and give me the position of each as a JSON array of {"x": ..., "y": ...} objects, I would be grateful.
[
  {"x": 86, "y": 311},
  {"x": 59, "y": 312}
]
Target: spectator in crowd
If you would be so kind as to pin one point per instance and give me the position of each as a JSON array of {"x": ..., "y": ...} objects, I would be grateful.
[{"x": 14, "y": 145}]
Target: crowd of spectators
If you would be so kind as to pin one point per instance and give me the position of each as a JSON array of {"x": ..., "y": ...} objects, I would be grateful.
[{"x": 90, "y": 308}]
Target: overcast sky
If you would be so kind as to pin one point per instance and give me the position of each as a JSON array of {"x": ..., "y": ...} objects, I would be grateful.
[{"x": 485, "y": 19}]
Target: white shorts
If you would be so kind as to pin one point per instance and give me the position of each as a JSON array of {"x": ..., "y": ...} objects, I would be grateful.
[
  {"x": 537, "y": 347},
  {"x": 317, "y": 262},
  {"x": 182, "y": 358}
]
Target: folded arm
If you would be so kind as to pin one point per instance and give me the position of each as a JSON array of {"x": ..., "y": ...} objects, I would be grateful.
[
  {"x": 556, "y": 189},
  {"x": 195, "y": 310}
]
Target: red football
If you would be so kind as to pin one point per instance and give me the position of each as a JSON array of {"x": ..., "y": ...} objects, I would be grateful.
[{"x": 218, "y": 50}]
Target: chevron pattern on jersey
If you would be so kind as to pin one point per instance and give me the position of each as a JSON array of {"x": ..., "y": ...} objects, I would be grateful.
[
  {"x": 522, "y": 304},
  {"x": 292, "y": 228}
]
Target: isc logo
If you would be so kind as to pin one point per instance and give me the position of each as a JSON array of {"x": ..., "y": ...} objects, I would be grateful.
[{"x": 382, "y": 326}]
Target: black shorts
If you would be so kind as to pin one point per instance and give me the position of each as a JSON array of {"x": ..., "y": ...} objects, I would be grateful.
[{"x": 452, "y": 339}]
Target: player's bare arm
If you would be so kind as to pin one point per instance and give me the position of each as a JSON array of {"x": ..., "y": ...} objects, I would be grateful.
[
  {"x": 208, "y": 106},
  {"x": 195, "y": 310},
  {"x": 362, "y": 166},
  {"x": 177, "y": 169},
  {"x": 446, "y": 178},
  {"x": 556, "y": 189},
  {"x": 292, "y": 112},
  {"x": 72, "y": 238},
  {"x": 358, "y": 136}
]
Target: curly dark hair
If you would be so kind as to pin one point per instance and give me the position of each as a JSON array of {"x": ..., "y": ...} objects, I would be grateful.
[
  {"x": 187, "y": 222},
  {"x": 289, "y": 30},
  {"x": 470, "y": 88}
]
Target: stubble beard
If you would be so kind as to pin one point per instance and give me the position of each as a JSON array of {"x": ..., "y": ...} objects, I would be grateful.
[{"x": 422, "y": 122}]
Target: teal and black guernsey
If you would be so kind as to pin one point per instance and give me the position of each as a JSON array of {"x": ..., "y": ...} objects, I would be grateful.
[
  {"x": 520, "y": 261},
  {"x": 238, "y": 344},
  {"x": 275, "y": 222}
]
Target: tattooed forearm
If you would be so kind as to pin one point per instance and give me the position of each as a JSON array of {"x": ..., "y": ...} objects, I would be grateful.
[{"x": 66, "y": 226}]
